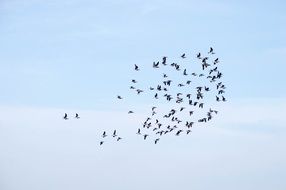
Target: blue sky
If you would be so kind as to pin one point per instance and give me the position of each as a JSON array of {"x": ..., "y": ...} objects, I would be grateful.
[{"x": 68, "y": 56}]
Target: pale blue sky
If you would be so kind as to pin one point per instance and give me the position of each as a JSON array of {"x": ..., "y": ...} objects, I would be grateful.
[{"x": 79, "y": 54}]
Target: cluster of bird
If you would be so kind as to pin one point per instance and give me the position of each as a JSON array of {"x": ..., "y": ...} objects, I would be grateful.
[
  {"x": 191, "y": 102},
  {"x": 168, "y": 123}
]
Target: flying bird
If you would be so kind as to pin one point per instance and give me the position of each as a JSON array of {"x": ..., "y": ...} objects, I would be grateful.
[
  {"x": 136, "y": 68},
  {"x": 66, "y": 117}
]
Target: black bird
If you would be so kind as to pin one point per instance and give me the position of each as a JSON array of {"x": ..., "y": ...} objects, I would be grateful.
[
  {"x": 138, "y": 132},
  {"x": 188, "y": 131},
  {"x": 211, "y": 51},
  {"x": 151, "y": 88},
  {"x": 188, "y": 82},
  {"x": 134, "y": 81},
  {"x": 129, "y": 112},
  {"x": 114, "y": 133},
  {"x": 216, "y": 61},
  {"x": 76, "y": 116},
  {"x": 156, "y": 140},
  {"x": 132, "y": 87},
  {"x": 182, "y": 108},
  {"x": 185, "y": 72},
  {"x": 104, "y": 134},
  {"x": 199, "y": 55},
  {"x": 223, "y": 99},
  {"x": 136, "y": 68},
  {"x": 139, "y": 91},
  {"x": 66, "y": 117},
  {"x": 119, "y": 97},
  {"x": 178, "y": 132},
  {"x": 119, "y": 138},
  {"x": 164, "y": 60},
  {"x": 156, "y": 65},
  {"x": 183, "y": 56},
  {"x": 145, "y": 136},
  {"x": 156, "y": 96},
  {"x": 191, "y": 113},
  {"x": 101, "y": 143},
  {"x": 164, "y": 75}
]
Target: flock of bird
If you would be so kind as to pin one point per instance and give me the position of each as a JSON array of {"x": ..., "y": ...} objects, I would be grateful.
[{"x": 182, "y": 103}]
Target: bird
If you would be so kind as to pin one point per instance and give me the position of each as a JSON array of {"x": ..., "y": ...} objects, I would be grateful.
[
  {"x": 156, "y": 140},
  {"x": 119, "y": 138},
  {"x": 136, "y": 68},
  {"x": 156, "y": 65},
  {"x": 156, "y": 96},
  {"x": 164, "y": 60},
  {"x": 66, "y": 117},
  {"x": 183, "y": 56},
  {"x": 104, "y": 134},
  {"x": 138, "y": 132},
  {"x": 134, "y": 81},
  {"x": 101, "y": 143},
  {"x": 185, "y": 72},
  {"x": 199, "y": 55},
  {"x": 211, "y": 51},
  {"x": 76, "y": 116},
  {"x": 188, "y": 131},
  {"x": 119, "y": 97},
  {"x": 114, "y": 133},
  {"x": 129, "y": 112},
  {"x": 145, "y": 136}
]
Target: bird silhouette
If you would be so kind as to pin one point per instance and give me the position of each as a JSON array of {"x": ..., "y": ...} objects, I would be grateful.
[
  {"x": 76, "y": 116},
  {"x": 136, "y": 68},
  {"x": 156, "y": 140},
  {"x": 104, "y": 134},
  {"x": 65, "y": 116}
]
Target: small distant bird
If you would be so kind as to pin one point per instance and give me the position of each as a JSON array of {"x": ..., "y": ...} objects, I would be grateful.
[
  {"x": 119, "y": 138},
  {"x": 66, "y": 117},
  {"x": 183, "y": 56},
  {"x": 136, "y": 68},
  {"x": 182, "y": 108},
  {"x": 114, "y": 133},
  {"x": 156, "y": 140},
  {"x": 129, "y": 112},
  {"x": 101, "y": 143},
  {"x": 185, "y": 72},
  {"x": 199, "y": 55},
  {"x": 151, "y": 88},
  {"x": 164, "y": 75},
  {"x": 188, "y": 131},
  {"x": 145, "y": 136},
  {"x": 156, "y": 96},
  {"x": 138, "y": 132},
  {"x": 134, "y": 81},
  {"x": 76, "y": 116},
  {"x": 223, "y": 99},
  {"x": 104, "y": 134},
  {"x": 156, "y": 65},
  {"x": 119, "y": 97},
  {"x": 211, "y": 51}
]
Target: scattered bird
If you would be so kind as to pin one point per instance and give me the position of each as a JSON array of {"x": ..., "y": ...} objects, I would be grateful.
[
  {"x": 136, "y": 68},
  {"x": 66, "y": 116},
  {"x": 76, "y": 116}
]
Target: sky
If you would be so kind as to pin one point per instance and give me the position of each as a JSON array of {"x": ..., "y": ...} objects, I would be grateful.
[{"x": 73, "y": 56}]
